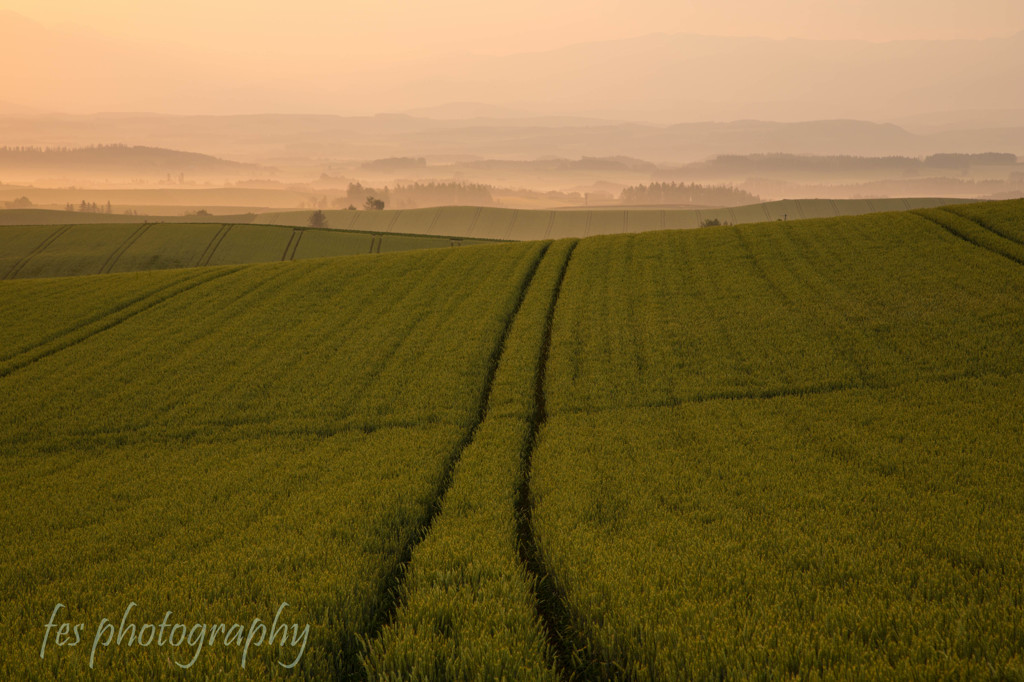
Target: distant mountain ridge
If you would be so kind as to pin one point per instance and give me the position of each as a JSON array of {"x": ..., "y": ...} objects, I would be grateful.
[
  {"x": 263, "y": 138},
  {"x": 114, "y": 158}
]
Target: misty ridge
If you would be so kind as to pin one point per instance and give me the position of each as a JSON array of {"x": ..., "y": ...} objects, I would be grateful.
[
  {"x": 661, "y": 120},
  {"x": 122, "y": 161}
]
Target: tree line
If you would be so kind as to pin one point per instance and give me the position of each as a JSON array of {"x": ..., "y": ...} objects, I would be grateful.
[{"x": 682, "y": 193}]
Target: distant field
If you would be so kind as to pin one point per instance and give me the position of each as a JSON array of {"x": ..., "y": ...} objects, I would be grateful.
[
  {"x": 513, "y": 224},
  {"x": 42, "y": 216},
  {"x": 524, "y": 225},
  {"x": 89, "y": 249},
  {"x": 767, "y": 451},
  {"x": 100, "y": 243}
]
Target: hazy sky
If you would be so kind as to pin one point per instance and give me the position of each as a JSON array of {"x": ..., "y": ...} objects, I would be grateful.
[
  {"x": 371, "y": 56},
  {"x": 406, "y": 27}
]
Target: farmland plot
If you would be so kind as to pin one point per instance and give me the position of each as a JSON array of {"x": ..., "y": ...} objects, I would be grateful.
[
  {"x": 786, "y": 450},
  {"x": 272, "y": 434},
  {"x": 776, "y": 451}
]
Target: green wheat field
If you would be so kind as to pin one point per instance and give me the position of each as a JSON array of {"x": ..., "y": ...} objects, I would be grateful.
[{"x": 777, "y": 450}]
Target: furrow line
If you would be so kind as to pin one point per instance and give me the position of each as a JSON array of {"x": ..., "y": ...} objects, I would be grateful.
[
  {"x": 214, "y": 244},
  {"x": 288, "y": 246},
  {"x": 968, "y": 238},
  {"x": 295, "y": 248},
  {"x": 476, "y": 219},
  {"x": 796, "y": 392},
  {"x": 551, "y": 224},
  {"x": 40, "y": 248},
  {"x": 983, "y": 224},
  {"x": 551, "y": 603},
  {"x": 89, "y": 320},
  {"x": 119, "y": 251},
  {"x": 109, "y": 321},
  {"x": 209, "y": 247},
  {"x": 392, "y": 597},
  {"x": 511, "y": 223}
]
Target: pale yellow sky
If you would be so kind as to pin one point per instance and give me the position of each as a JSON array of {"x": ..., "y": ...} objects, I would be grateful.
[{"x": 423, "y": 27}]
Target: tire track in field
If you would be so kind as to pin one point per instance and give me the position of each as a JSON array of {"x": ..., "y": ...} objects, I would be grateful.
[
  {"x": 981, "y": 223},
  {"x": 551, "y": 224},
  {"x": 393, "y": 221},
  {"x": 511, "y": 223},
  {"x": 391, "y": 600},
  {"x": 476, "y": 219},
  {"x": 49, "y": 338},
  {"x": 967, "y": 238},
  {"x": 293, "y": 244},
  {"x": 214, "y": 244},
  {"x": 94, "y": 326},
  {"x": 550, "y": 600},
  {"x": 125, "y": 245},
  {"x": 826, "y": 388},
  {"x": 42, "y": 246}
]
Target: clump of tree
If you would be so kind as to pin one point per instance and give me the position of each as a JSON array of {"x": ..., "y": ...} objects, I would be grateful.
[
  {"x": 357, "y": 195},
  {"x": 963, "y": 162},
  {"x": 713, "y": 222},
  {"x": 417, "y": 195},
  {"x": 682, "y": 193},
  {"x": 90, "y": 207},
  {"x": 441, "y": 194},
  {"x": 317, "y": 219},
  {"x": 373, "y": 204},
  {"x": 20, "y": 202}
]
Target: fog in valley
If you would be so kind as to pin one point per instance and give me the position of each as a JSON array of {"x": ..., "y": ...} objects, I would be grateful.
[{"x": 240, "y": 109}]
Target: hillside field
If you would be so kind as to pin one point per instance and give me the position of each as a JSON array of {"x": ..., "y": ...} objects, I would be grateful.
[
  {"x": 39, "y": 243},
  {"x": 88, "y": 249},
  {"x": 782, "y": 450},
  {"x": 524, "y": 225}
]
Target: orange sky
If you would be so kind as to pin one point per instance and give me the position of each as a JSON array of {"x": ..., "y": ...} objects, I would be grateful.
[
  {"x": 402, "y": 28},
  {"x": 371, "y": 56}
]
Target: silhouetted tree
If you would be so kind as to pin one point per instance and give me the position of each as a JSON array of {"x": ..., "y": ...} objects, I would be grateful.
[
  {"x": 317, "y": 219},
  {"x": 374, "y": 204},
  {"x": 20, "y": 202}
]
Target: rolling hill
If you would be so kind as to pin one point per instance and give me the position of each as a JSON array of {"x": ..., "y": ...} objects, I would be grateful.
[
  {"x": 777, "y": 449},
  {"x": 41, "y": 244}
]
